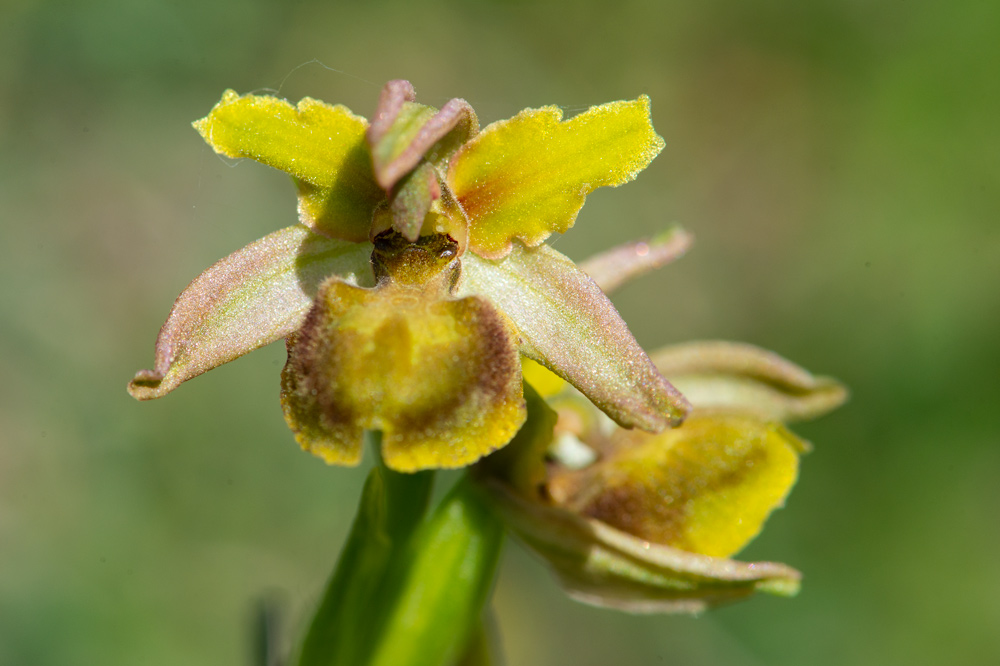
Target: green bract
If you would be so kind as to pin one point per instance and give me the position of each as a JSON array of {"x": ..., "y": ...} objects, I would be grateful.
[{"x": 416, "y": 274}]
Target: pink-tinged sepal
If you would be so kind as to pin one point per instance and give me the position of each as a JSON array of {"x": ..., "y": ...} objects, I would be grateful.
[
  {"x": 567, "y": 324},
  {"x": 251, "y": 298},
  {"x": 742, "y": 378}
]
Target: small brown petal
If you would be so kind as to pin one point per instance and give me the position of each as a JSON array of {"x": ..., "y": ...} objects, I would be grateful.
[{"x": 411, "y": 200}]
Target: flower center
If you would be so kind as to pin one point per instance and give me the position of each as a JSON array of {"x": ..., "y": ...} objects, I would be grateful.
[{"x": 427, "y": 259}]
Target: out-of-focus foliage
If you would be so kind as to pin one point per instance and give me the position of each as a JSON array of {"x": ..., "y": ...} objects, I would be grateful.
[{"x": 838, "y": 163}]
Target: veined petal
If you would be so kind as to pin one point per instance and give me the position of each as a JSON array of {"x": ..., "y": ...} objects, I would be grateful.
[
  {"x": 741, "y": 377},
  {"x": 440, "y": 377},
  {"x": 567, "y": 324},
  {"x": 322, "y": 146},
  {"x": 602, "y": 566},
  {"x": 254, "y": 296},
  {"x": 620, "y": 264},
  {"x": 528, "y": 176}
]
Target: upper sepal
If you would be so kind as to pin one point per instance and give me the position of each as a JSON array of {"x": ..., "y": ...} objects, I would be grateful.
[
  {"x": 254, "y": 296},
  {"x": 567, "y": 324},
  {"x": 527, "y": 177},
  {"x": 404, "y": 132},
  {"x": 320, "y": 145}
]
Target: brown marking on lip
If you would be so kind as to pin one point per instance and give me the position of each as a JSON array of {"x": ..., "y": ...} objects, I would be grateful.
[{"x": 439, "y": 376}]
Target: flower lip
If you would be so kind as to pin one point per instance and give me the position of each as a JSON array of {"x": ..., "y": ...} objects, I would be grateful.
[
  {"x": 706, "y": 487},
  {"x": 438, "y": 375},
  {"x": 602, "y": 566}
]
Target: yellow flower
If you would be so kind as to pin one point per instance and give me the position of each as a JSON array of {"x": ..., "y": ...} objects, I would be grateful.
[{"x": 417, "y": 276}]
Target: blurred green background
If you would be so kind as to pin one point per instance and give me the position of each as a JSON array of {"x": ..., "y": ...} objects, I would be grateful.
[{"x": 838, "y": 162}]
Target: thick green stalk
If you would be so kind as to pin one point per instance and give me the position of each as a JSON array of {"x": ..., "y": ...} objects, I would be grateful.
[
  {"x": 346, "y": 625},
  {"x": 441, "y": 592}
]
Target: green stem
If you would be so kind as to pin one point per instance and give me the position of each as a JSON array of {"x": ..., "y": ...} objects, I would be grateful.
[
  {"x": 347, "y": 622},
  {"x": 408, "y": 591},
  {"x": 441, "y": 593}
]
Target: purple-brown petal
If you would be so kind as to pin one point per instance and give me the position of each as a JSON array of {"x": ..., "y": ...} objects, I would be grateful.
[{"x": 412, "y": 199}]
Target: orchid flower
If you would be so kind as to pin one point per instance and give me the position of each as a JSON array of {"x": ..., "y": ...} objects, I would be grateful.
[{"x": 416, "y": 278}]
